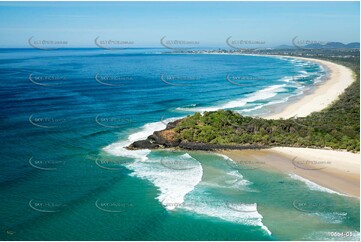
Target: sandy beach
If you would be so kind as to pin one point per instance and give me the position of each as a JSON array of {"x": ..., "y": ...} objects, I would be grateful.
[
  {"x": 340, "y": 77},
  {"x": 335, "y": 170}
]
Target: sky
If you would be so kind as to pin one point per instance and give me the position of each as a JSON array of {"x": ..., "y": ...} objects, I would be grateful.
[{"x": 209, "y": 23}]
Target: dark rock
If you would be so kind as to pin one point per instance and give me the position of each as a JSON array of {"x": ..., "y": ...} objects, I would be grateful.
[
  {"x": 167, "y": 138},
  {"x": 172, "y": 125},
  {"x": 143, "y": 144},
  {"x": 159, "y": 137}
]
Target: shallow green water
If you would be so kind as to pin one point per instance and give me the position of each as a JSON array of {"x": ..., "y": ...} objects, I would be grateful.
[{"x": 75, "y": 181}]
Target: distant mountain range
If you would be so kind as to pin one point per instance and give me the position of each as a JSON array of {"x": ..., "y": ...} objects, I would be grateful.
[{"x": 329, "y": 45}]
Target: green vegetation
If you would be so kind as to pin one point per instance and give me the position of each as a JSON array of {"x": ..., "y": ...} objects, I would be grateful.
[{"x": 336, "y": 127}]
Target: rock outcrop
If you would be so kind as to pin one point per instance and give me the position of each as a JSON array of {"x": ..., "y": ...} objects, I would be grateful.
[{"x": 167, "y": 138}]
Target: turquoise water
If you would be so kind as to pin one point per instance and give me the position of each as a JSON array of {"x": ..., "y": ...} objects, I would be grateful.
[{"x": 65, "y": 175}]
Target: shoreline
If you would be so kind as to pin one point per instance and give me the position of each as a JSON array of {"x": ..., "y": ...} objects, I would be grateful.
[
  {"x": 339, "y": 78},
  {"x": 331, "y": 169},
  {"x": 340, "y": 171},
  {"x": 323, "y": 95}
]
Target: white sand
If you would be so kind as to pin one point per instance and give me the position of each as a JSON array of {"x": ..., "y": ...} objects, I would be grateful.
[
  {"x": 335, "y": 170},
  {"x": 340, "y": 77},
  {"x": 341, "y": 160}
]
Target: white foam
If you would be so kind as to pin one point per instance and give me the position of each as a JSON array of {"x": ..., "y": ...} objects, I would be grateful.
[
  {"x": 262, "y": 94},
  {"x": 147, "y": 130},
  {"x": 223, "y": 156},
  {"x": 241, "y": 207},
  {"x": 287, "y": 79},
  {"x": 231, "y": 180},
  {"x": 253, "y": 109},
  {"x": 200, "y": 202},
  {"x": 118, "y": 148},
  {"x": 236, "y": 180},
  {"x": 240, "y": 213},
  {"x": 333, "y": 218},
  {"x": 299, "y": 92},
  {"x": 173, "y": 184},
  {"x": 313, "y": 186},
  {"x": 301, "y": 63}
]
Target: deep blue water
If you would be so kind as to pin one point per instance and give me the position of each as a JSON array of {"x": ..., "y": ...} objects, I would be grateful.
[{"x": 67, "y": 114}]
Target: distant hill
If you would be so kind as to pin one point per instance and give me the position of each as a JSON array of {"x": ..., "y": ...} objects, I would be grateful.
[
  {"x": 285, "y": 47},
  {"x": 335, "y": 45},
  {"x": 315, "y": 46},
  {"x": 353, "y": 45},
  {"x": 329, "y": 45}
]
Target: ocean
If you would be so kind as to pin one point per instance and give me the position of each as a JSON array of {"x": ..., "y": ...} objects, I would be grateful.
[{"x": 68, "y": 114}]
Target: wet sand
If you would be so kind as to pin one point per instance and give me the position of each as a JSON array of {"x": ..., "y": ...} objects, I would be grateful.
[
  {"x": 335, "y": 170},
  {"x": 340, "y": 77}
]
